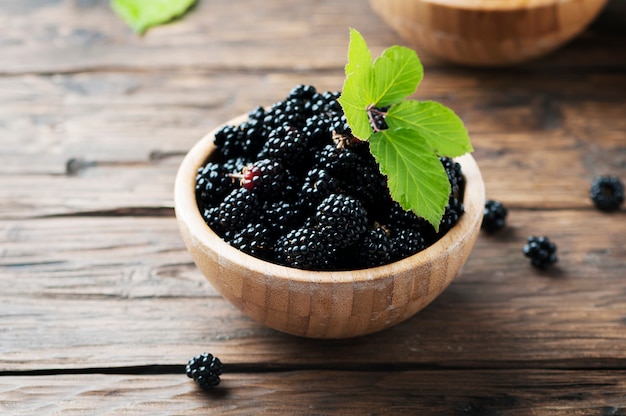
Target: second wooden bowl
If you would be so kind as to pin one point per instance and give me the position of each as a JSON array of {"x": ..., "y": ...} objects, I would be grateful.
[
  {"x": 488, "y": 32},
  {"x": 325, "y": 304}
]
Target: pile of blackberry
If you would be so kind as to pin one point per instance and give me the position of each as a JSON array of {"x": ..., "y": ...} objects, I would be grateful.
[{"x": 293, "y": 186}]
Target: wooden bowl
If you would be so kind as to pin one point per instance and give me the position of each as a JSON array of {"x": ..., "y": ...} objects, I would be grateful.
[
  {"x": 324, "y": 304},
  {"x": 488, "y": 32}
]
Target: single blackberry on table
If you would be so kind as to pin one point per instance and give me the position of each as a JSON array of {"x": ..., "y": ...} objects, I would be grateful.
[
  {"x": 205, "y": 369},
  {"x": 341, "y": 220},
  {"x": 541, "y": 251},
  {"x": 607, "y": 193},
  {"x": 238, "y": 208},
  {"x": 265, "y": 177},
  {"x": 494, "y": 216},
  {"x": 303, "y": 248},
  {"x": 254, "y": 239}
]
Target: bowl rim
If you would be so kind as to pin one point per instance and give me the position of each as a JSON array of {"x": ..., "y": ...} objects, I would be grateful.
[
  {"x": 188, "y": 215},
  {"x": 502, "y": 5}
]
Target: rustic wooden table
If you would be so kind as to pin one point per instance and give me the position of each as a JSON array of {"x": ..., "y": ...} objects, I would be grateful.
[{"x": 101, "y": 305}]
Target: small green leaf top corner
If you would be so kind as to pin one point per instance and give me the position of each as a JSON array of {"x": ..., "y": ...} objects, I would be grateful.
[{"x": 141, "y": 15}]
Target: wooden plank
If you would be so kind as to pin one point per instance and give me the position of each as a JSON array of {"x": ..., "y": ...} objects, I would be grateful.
[
  {"x": 424, "y": 392},
  {"x": 70, "y": 36},
  {"x": 76, "y": 36},
  {"x": 522, "y": 135},
  {"x": 122, "y": 291},
  {"x": 125, "y": 116}
]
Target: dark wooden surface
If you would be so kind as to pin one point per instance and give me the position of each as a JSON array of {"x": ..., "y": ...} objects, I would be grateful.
[{"x": 101, "y": 305}]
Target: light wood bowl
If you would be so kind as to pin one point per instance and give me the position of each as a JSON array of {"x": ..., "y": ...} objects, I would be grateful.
[
  {"x": 488, "y": 32},
  {"x": 325, "y": 304}
]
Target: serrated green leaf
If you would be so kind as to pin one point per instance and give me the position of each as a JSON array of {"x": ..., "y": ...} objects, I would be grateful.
[
  {"x": 416, "y": 178},
  {"x": 143, "y": 14},
  {"x": 355, "y": 110},
  {"x": 396, "y": 75},
  {"x": 359, "y": 56},
  {"x": 355, "y": 96},
  {"x": 442, "y": 129}
]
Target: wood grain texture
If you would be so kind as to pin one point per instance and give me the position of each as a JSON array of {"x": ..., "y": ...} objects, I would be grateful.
[
  {"x": 123, "y": 291},
  {"x": 101, "y": 304},
  {"x": 488, "y": 33},
  {"x": 452, "y": 392},
  {"x": 115, "y": 122}
]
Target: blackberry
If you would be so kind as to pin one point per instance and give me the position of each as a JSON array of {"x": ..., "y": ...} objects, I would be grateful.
[
  {"x": 235, "y": 165},
  {"x": 341, "y": 220},
  {"x": 254, "y": 239},
  {"x": 318, "y": 184},
  {"x": 377, "y": 118},
  {"x": 302, "y": 92},
  {"x": 398, "y": 218},
  {"x": 236, "y": 210},
  {"x": 494, "y": 217},
  {"x": 541, "y": 251},
  {"x": 607, "y": 193},
  {"x": 338, "y": 160},
  {"x": 287, "y": 145},
  {"x": 303, "y": 248},
  {"x": 211, "y": 216},
  {"x": 452, "y": 214},
  {"x": 280, "y": 216},
  {"x": 406, "y": 243},
  {"x": 229, "y": 141},
  {"x": 264, "y": 177},
  {"x": 205, "y": 370},
  {"x": 212, "y": 184},
  {"x": 253, "y": 136},
  {"x": 375, "y": 248},
  {"x": 286, "y": 112},
  {"x": 455, "y": 175},
  {"x": 370, "y": 186}
]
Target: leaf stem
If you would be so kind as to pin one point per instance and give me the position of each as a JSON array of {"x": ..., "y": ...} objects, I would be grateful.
[{"x": 376, "y": 117}]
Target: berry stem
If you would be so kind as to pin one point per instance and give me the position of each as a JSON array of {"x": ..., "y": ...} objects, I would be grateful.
[{"x": 372, "y": 113}]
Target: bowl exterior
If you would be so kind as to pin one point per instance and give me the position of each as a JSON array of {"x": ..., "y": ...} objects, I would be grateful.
[
  {"x": 325, "y": 304},
  {"x": 497, "y": 33}
]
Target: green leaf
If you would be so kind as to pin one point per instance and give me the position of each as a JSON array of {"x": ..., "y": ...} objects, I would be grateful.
[
  {"x": 355, "y": 94},
  {"x": 359, "y": 56},
  {"x": 397, "y": 73},
  {"x": 442, "y": 129},
  {"x": 417, "y": 180},
  {"x": 143, "y": 14}
]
